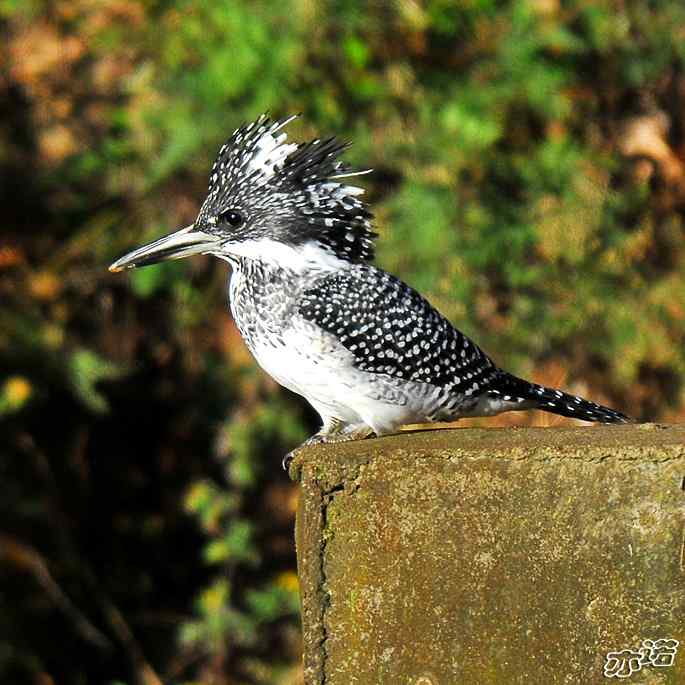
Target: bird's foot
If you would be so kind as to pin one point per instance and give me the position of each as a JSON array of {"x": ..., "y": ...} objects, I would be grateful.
[
  {"x": 315, "y": 439},
  {"x": 338, "y": 433},
  {"x": 287, "y": 460}
]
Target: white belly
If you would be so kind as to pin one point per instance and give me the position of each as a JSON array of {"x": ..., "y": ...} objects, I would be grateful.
[{"x": 313, "y": 364}]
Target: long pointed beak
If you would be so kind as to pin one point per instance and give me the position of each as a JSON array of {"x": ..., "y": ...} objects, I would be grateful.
[{"x": 183, "y": 243}]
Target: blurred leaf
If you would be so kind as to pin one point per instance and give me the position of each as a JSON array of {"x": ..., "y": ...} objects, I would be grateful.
[
  {"x": 237, "y": 545},
  {"x": 272, "y": 603},
  {"x": 15, "y": 392},
  {"x": 357, "y": 51},
  {"x": 86, "y": 370},
  {"x": 149, "y": 280}
]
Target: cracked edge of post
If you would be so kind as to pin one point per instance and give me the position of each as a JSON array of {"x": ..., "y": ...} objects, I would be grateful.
[
  {"x": 309, "y": 529},
  {"x": 318, "y": 490}
]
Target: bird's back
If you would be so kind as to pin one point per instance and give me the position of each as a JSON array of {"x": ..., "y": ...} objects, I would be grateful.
[{"x": 392, "y": 330}]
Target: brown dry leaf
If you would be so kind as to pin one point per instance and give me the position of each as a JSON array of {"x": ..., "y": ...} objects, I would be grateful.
[
  {"x": 103, "y": 15},
  {"x": 57, "y": 143},
  {"x": 45, "y": 286},
  {"x": 10, "y": 256},
  {"x": 646, "y": 136},
  {"x": 39, "y": 52}
]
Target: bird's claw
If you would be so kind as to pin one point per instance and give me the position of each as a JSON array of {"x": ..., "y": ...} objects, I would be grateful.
[
  {"x": 287, "y": 460},
  {"x": 315, "y": 439}
]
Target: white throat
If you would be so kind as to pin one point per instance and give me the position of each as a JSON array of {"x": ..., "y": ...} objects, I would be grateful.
[{"x": 300, "y": 258}]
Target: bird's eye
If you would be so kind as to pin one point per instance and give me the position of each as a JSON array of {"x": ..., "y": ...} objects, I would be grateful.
[{"x": 233, "y": 217}]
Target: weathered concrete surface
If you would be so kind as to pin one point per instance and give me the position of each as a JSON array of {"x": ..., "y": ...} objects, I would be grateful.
[{"x": 478, "y": 556}]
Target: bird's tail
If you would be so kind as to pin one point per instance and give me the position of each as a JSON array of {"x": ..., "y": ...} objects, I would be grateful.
[{"x": 532, "y": 396}]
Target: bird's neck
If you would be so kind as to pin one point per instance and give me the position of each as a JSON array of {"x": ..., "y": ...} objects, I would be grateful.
[
  {"x": 266, "y": 255},
  {"x": 267, "y": 281},
  {"x": 264, "y": 296}
]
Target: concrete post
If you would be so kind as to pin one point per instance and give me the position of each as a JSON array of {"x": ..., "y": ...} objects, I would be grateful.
[{"x": 483, "y": 556}]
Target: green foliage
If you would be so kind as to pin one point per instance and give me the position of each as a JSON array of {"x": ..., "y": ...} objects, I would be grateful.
[
  {"x": 217, "y": 56},
  {"x": 147, "y": 282},
  {"x": 86, "y": 369},
  {"x": 528, "y": 179}
]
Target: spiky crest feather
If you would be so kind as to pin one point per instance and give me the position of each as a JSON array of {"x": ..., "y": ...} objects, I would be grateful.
[{"x": 289, "y": 192}]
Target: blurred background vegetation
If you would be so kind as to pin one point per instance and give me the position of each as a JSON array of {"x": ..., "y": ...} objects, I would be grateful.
[{"x": 529, "y": 177}]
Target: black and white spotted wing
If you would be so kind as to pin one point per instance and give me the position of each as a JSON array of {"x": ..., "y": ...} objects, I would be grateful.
[{"x": 393, "y": 330}]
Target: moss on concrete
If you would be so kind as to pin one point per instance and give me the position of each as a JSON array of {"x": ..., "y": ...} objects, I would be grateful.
[{"x": 491, "y": 555}]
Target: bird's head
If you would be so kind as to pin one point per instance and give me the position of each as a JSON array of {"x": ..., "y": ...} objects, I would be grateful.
[{"x": 286, "y": 203}]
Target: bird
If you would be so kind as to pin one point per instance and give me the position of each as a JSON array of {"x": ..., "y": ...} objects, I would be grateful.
[{"x": 367, "y": 351}]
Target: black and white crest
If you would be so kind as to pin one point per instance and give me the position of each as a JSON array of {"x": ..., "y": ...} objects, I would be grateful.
[{"x": 264, "y": 188}]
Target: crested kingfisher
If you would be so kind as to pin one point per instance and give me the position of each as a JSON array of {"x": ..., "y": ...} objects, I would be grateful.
[{"x": 366, "y": 350}]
